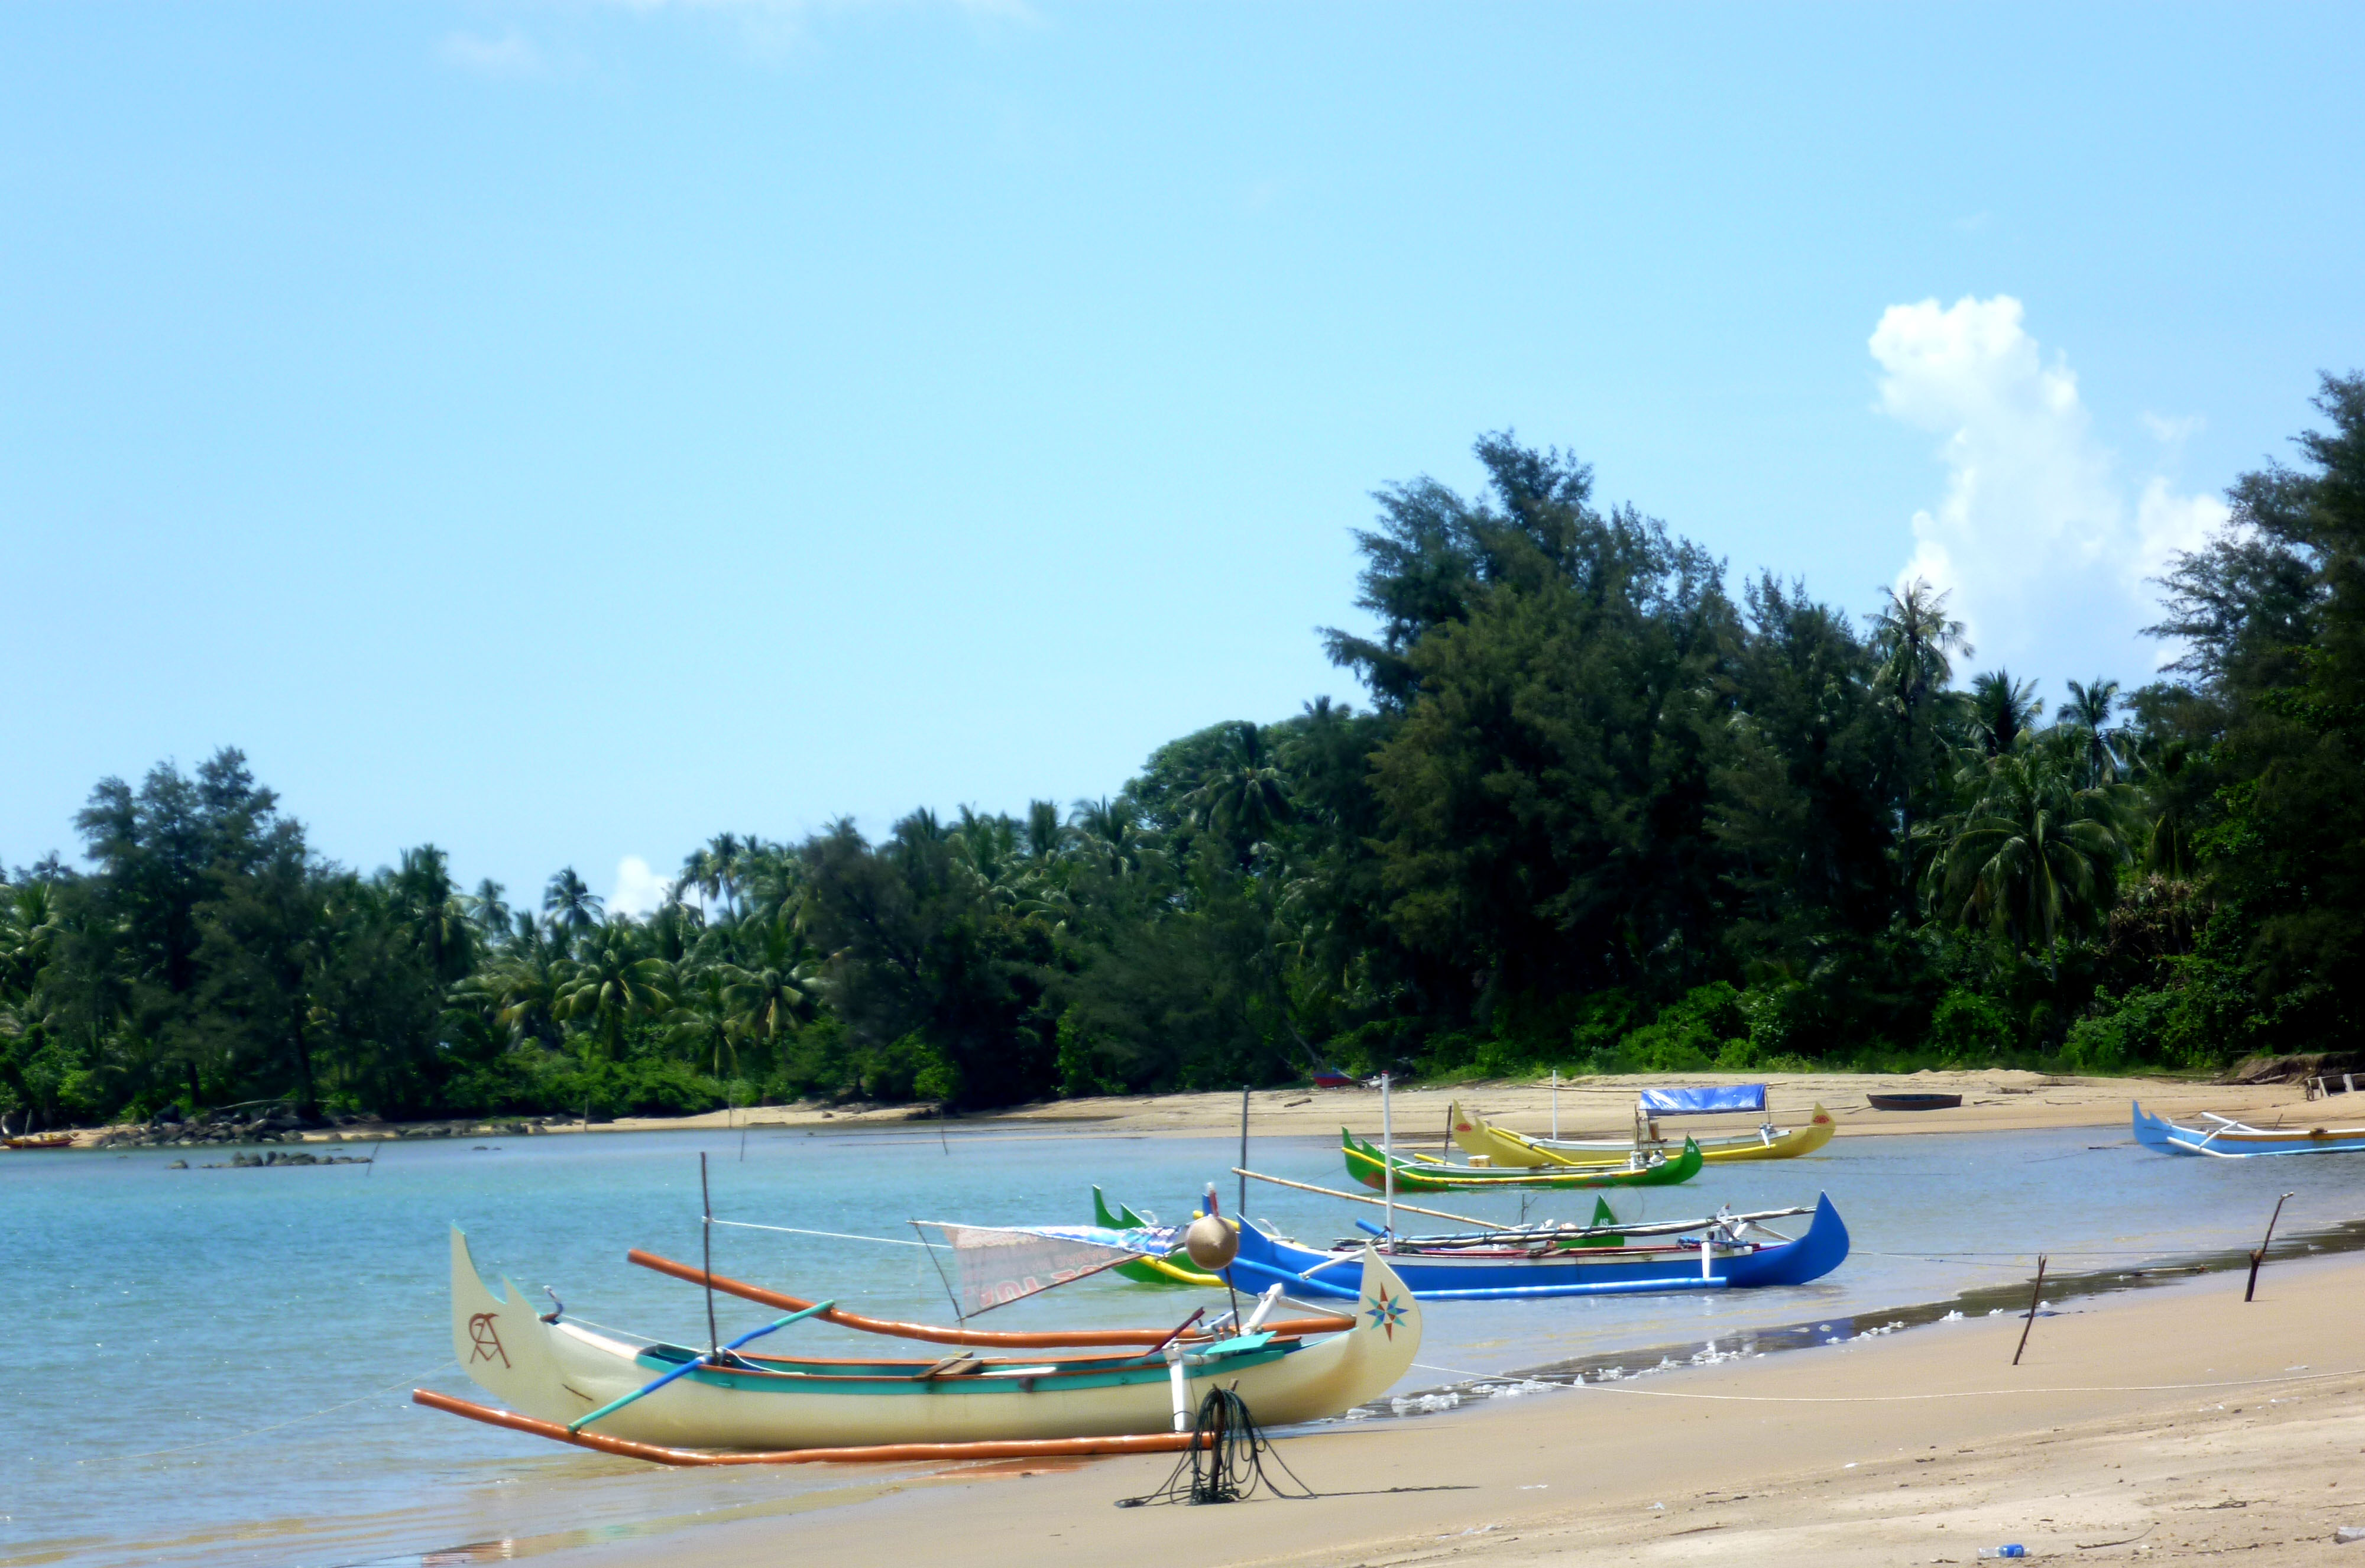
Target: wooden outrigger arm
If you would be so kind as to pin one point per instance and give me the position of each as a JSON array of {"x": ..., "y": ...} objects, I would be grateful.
[{"x": 942, "y": 1336}]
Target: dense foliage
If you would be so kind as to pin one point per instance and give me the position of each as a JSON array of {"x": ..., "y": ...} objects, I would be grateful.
[{"x": 1597, "y": 814}]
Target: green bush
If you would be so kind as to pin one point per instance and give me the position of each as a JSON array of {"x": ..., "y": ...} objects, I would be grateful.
[{"x": 1968, "y": 1028}]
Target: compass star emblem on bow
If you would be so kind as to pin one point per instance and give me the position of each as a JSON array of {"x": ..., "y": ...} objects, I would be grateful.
[{"x": 1385, "y": 1313}]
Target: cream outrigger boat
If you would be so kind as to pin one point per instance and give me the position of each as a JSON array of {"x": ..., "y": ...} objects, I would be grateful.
[
  {"x": 1502, "y": 1146},
  {"x": 655, "y": 1400}
]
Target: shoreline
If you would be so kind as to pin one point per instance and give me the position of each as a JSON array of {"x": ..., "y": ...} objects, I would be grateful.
[
  {"x": 1993, "y": 1101},
  {"x": 2169, "y": 1424}
]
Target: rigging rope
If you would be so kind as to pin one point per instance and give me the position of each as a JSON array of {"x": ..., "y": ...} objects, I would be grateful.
[{"x": 832, "y": 1234}]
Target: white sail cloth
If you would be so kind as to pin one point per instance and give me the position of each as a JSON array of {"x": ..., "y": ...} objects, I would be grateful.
[{"x": 994, "y": 1265}]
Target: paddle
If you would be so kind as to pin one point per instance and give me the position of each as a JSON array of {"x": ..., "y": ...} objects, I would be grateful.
[{"x": 691, "y": 1365}]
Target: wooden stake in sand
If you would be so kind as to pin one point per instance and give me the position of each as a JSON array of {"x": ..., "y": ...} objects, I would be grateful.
[
  {"x": 2260, "y": 1255},
  {"x": 2033, "y": 1296}
]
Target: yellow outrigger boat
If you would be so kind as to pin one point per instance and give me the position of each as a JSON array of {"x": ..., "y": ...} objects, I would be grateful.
[{"x": 1502, "y": 1146}]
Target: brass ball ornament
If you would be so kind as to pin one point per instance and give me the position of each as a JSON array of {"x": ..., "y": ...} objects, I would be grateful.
[{"x": 1212, "y": 1242}]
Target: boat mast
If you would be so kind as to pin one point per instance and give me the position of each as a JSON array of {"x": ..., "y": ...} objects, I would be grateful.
[{"x": 1389, "y": 1163}]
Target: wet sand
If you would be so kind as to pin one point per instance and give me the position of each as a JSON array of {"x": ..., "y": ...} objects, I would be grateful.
[{"x": 2170, "y": 1425}]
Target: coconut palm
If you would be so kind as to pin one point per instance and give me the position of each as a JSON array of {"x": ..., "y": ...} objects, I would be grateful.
[
  {"x": 1047, "y": 835},
  {"x": 766, "y": 995},
  {"x": 609, "y": 984},
  {"x": 570, "y": 904},
  {"x": 2089, "y": 710},
  {"x": 2033, "y": 857},
  {"x": 1248, "y": 798},
  {"x": 2002, "y": 710},
  {"x": 1110, "y": 833},
  {"x": 487, "y": 912}
]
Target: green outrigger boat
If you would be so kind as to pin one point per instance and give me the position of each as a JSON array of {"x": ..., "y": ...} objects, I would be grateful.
[
  {"x": 1424, "y": 1174},
  {"x": 1174, "y": 1269}
]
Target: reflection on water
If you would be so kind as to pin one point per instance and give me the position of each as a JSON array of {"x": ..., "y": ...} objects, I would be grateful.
[{"x": 212, "y": 1366}]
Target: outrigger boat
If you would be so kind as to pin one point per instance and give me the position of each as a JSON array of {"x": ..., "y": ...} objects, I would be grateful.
[
  {"x": 1422, "y": 1174},
  {"x": 42, "y": 1140},
  {"x": 670, "y": 1403},
  {"x": 1501, "y": 1146},
  {"x": 1174, "y": 1269},
  {"x": 2230, "y": 1139},
  {"x": 1537, "y": 1262}
]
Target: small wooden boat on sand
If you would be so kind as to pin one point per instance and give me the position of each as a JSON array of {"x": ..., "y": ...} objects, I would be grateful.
[
  {"x": 2230, "y": 1139},
  {"x": 1421, "y": 1174},
  {"x": 44, "y": 1141},
  {"x": 672, "y": 1402},
  {"x": 1501, "y": 1146},
  {"x": 1913, "y": 1102}
]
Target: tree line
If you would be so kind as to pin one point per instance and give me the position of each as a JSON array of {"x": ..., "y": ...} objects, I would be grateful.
[{"x": 1594, "y": 811}]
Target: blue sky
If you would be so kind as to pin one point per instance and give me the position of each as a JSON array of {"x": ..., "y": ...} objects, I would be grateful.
[{"x": 564, "y": 431}]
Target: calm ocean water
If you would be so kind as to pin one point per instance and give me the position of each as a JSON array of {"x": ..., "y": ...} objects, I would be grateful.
[{"x": 212, "y": 1367}]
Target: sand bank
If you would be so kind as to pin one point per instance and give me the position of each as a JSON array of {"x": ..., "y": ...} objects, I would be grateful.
[
  {"x": 1995, "y": 1100},
  {"x": 2169, "y": 1425},
  {"x": 1600, "y": 1107}
]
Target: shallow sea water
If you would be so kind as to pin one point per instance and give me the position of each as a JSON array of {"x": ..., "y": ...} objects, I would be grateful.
[{"x": 213, "y": 1367}]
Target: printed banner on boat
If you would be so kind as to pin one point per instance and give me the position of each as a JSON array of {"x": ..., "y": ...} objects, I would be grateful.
[{"x": 994, "y": 1265}]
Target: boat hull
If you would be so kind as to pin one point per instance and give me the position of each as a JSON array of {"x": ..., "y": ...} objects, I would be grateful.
[
  {"x": 2241, "y": 1142},
  {"x": 1265, "y": 1260},
  {"x": 1475, "y": 1135},
  {"x": 1166, "y": 1270},
  {"x": 562, "y": 1372},
  {"x": 1366, "y": 1165}
]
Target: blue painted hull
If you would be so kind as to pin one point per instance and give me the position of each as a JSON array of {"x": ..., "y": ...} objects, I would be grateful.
[
  {"x": 2159, "y": 1134},
  {"x": 1305, "y": 1271}
]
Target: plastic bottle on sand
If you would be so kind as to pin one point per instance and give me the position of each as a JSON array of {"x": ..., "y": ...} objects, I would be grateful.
[{"x": 2015, "y": 1550}]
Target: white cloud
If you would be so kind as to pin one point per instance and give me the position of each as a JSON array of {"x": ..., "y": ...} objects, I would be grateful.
[
  {"x": 2035, "y": 535},
  {"x": 511, "y": 54},
  {"x": 2173, "y": 431},
  {"x": 639, "y": 889}
]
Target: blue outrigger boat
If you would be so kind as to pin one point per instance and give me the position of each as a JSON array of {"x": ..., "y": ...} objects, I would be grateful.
[
  {"x": 2230, "y": 1139},
  {"x": 1716, "y": 1253}
]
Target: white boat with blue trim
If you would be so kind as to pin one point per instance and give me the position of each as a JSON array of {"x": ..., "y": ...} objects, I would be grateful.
[
  {"x": 573, "y": 1380},
  {"x": 2225, "y": 1138}
]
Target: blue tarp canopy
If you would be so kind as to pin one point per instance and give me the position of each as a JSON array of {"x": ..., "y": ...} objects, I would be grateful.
[{"x": 1699, "y": 1102}]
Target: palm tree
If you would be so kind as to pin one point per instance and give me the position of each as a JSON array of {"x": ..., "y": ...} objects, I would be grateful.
[
  {"x": 2033, "y": 857},
  {"x": 486, "y": 910},
  {"x": 570, "y": 904},
  {"x": 765, "y": 996},
  {"x": 611, "y": 984},
  {"x": 701, "y": 1018},
  {"x": 1047, "y": 835},
  {"x": 1248, "y": 797},
  {"x": 2002, "y": 710},
  {"x": 2159, "y": 769},
  {"x": 1112, "y": 834},
  {"x": 435, "y": 912},
  {"x": 1914, "y": 639},
  {"x": 2088, "y": 709}
]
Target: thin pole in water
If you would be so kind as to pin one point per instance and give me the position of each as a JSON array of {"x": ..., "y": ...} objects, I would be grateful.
[
  {"x": 1240, "y": 1209},
  {"x": 706, "y": 1241},
  {"x": 1388, "y": 1161},
  {"x": 2260, "y": 1255},
  {"x": 1556, "y": 1102},
  {"x": 2034, "y": 1297}
]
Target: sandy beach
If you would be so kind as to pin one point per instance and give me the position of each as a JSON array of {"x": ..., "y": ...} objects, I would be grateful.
[
  {"x": 1994, "y": 1100},
  {"x": 2174, "y": 1424}
]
